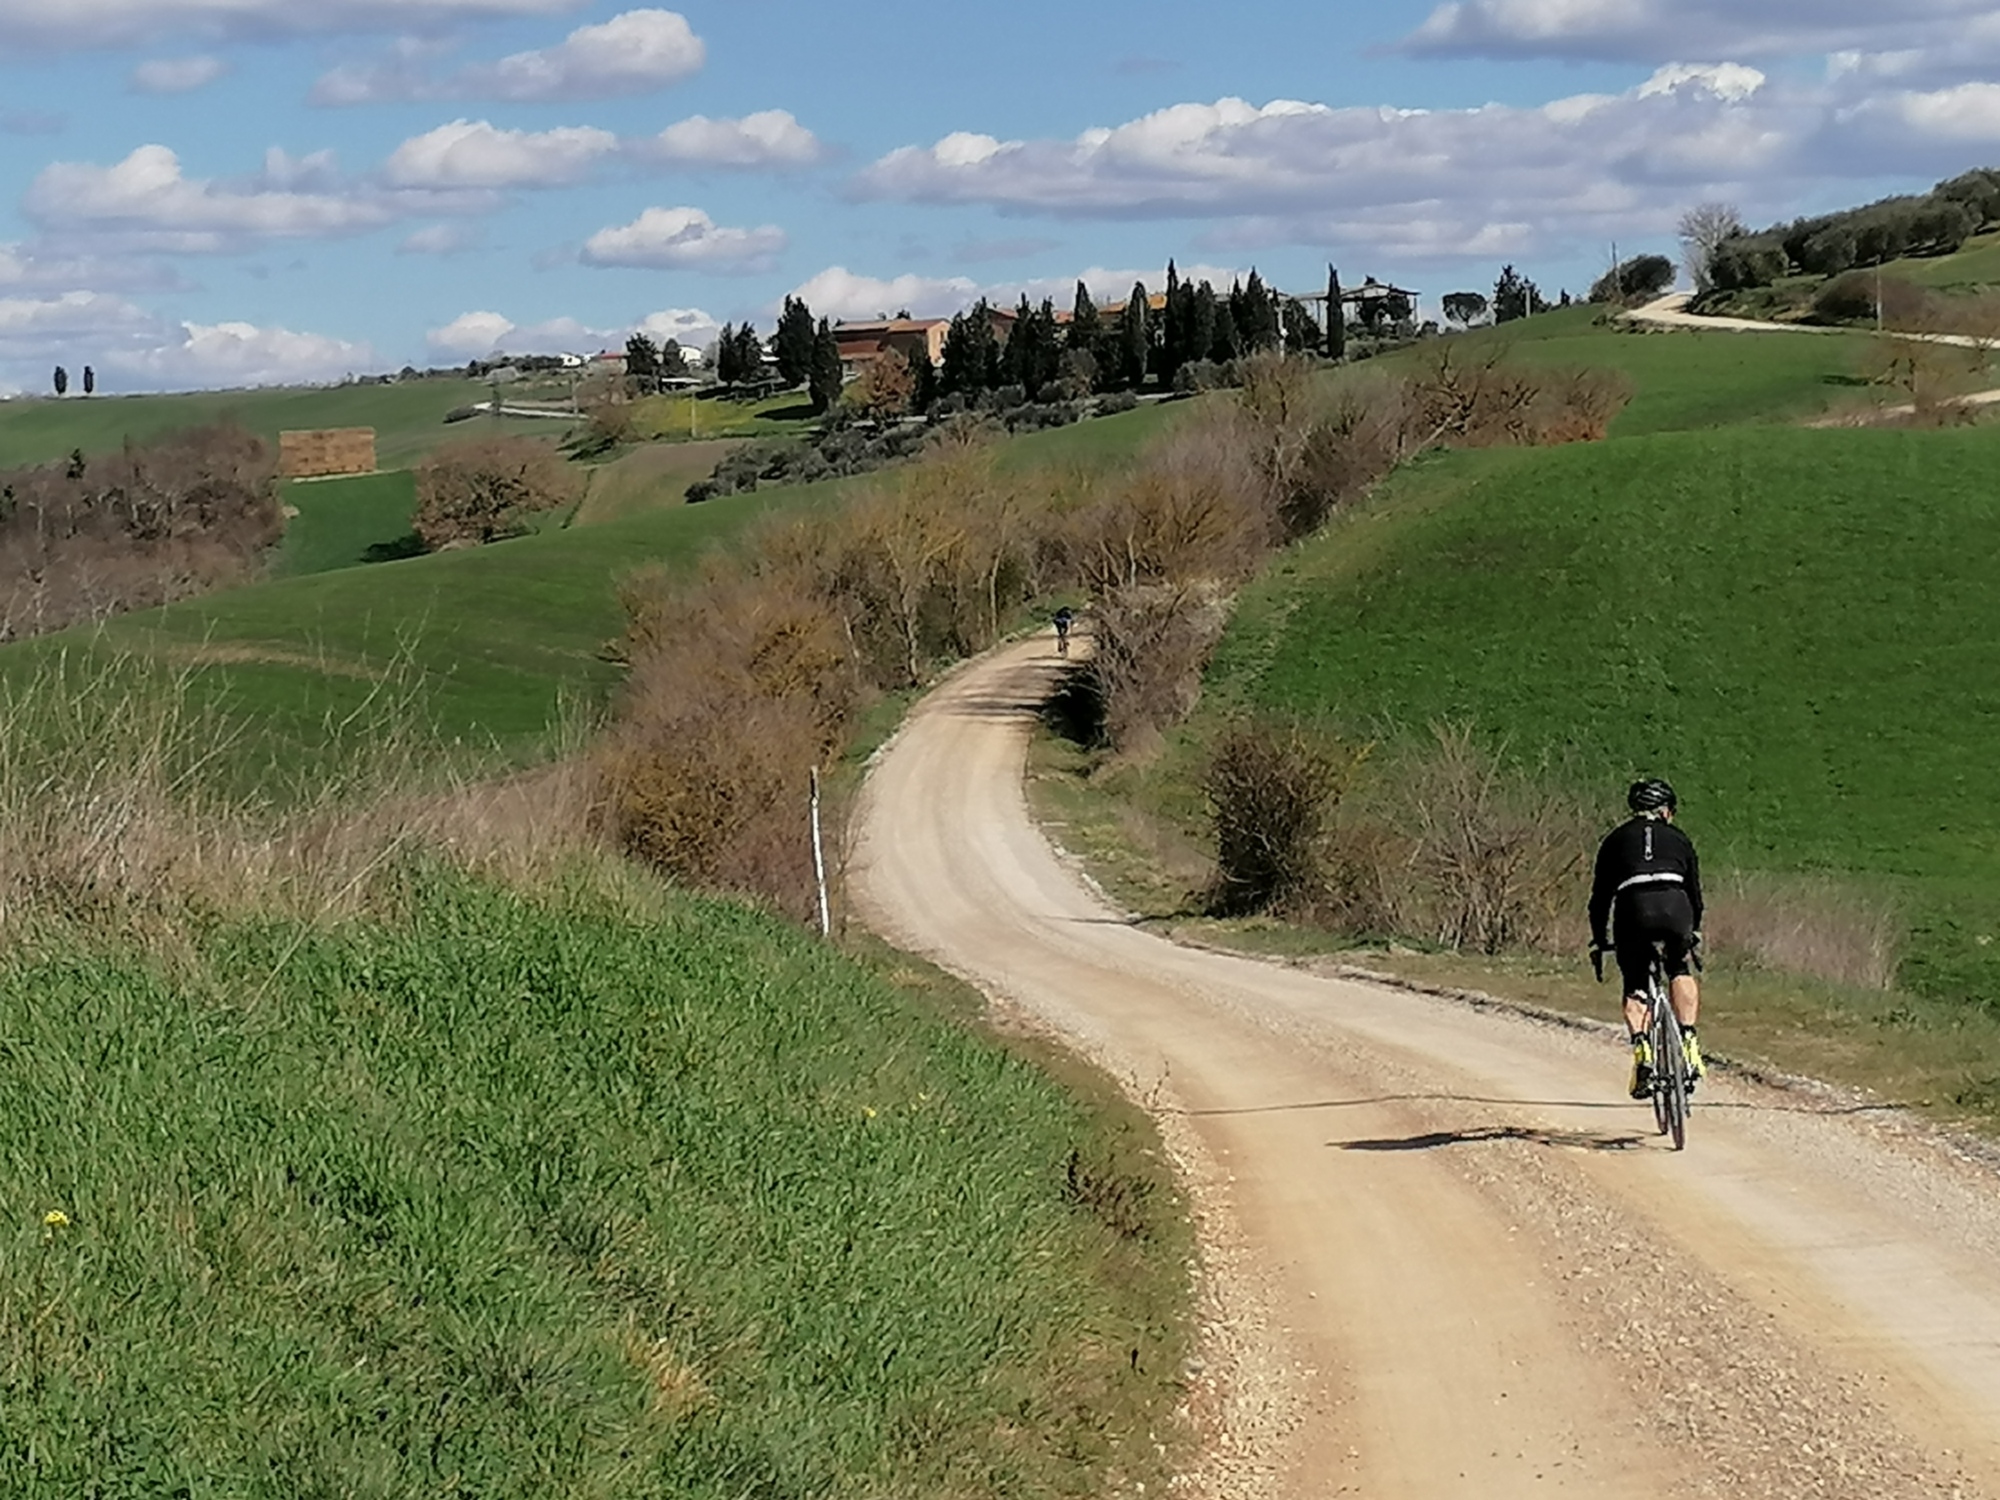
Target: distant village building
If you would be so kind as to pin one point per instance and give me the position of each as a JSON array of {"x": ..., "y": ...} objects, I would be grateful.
[{"x": 863, "y": 343}]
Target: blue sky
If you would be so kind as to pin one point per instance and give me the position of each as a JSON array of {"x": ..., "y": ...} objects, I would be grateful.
[{"x": 218, "y": 192}]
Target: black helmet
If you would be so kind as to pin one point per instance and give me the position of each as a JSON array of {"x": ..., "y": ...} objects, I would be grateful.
[{"x": 1651, "y": 796}]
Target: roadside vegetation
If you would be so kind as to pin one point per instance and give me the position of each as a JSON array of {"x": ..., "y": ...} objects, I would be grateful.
[
  {"x": 1418, "y": 721},
  {"x": 382, "y": 1132}
]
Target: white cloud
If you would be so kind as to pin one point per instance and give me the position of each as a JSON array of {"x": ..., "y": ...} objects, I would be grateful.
[
  {"x": 39, "y": 25},
  {"x": 31, "y": 327},
  {"x": 684, "y": 239},
  {"x": 839, "y": 293},
  {"x": 476, "y": 154},
  {"x": 146, "y": 202},
  {"x": 475, "y": 334},
  {"x": 228, "y": 355},
  {"x": 177, "y": 75},
  {"x": 1656, "y": 30},
  {"x": 139, "y": 351},
  {"x": 769, "y": 138},
  {"x": 36, "y": 268},
  {"x": 1450, "y": 184},
  {"x": 637, "y": 52},
  {"x": 438, "y": 239}
]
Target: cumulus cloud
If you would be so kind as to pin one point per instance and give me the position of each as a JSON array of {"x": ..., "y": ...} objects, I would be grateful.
[
  {"x": 475, "y": 154},
  {"x": 36, "y": 25},
  {"x": 146, "y": 202},
  {"x": 473, "y": 335},
  {"x": 1658, "y": 30},
  {"x": 177, "y": 75},
  {"x": 637, "y": 52},
  {"x": 229, "y": 355},
  {"x": 1450, "y": 183},
  {"x": 32, "y": 326},
  {"x": 140, "y": 351},
  {"x": 769, "y": 138},
  {"x": 684, "y": 239}
]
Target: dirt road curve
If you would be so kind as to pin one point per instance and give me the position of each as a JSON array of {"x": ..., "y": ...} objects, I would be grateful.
[{"x": 1446, "y": 1258}]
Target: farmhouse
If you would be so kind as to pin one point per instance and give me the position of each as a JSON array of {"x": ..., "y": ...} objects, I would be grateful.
[{"x": 864, "y": 342}]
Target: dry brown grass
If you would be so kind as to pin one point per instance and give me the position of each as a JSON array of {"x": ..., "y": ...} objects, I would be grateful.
[
  {"x": 114, "y": 810},
  {"x": 1810, "y": 925}
]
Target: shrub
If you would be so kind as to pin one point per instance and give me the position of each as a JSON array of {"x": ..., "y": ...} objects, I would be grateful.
[
  {"x": 1111, "y": 404},
  {"x": 1152, "y": 642},
  {"x": 484, "y": 488},
  {"x": 1270, "y": 790},
  {"x": 188, "y": 512},
  {"x": 1500, "y": 860}
]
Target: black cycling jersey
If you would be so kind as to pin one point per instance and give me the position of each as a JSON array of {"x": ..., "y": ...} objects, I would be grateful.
[{"x": 1643, "y": 858}]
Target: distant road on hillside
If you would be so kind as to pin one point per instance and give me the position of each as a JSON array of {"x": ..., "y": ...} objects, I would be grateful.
[{"x": 1447, "y": 1257}]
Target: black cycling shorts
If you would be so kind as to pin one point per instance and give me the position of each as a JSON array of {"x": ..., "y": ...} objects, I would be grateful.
[{"x": 1641, "y": 917}]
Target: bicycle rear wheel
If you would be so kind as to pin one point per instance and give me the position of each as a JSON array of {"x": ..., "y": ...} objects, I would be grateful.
[{"x": 1670, "y": 1097}]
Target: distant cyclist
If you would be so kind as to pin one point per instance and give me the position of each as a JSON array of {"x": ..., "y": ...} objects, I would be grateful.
[
  {"x": 1064, "y": 617},
  {"x": 1647, "y": 888}
]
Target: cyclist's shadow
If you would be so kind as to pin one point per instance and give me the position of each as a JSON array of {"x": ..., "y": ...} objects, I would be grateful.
[{"x": 1534, "y": 1135}]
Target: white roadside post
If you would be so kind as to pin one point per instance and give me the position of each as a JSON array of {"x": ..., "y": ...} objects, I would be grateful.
[{"x": 819, "y": 861}]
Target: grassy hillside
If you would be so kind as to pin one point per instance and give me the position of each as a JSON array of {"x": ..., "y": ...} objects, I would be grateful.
[
  {"x": 496, "y": 646},
  {"x": 343, "y": 523},
  {"x": 573, "y": 1195},
  {"x": 1686, "y": 380},
  {"x": 1790, "y": 624}
]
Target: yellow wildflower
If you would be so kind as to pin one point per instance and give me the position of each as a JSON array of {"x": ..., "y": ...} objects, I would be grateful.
[{"x": 55, "y": 1218}]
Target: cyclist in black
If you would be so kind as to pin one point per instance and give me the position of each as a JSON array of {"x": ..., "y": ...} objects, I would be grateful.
[
  {"x": 1064, "y": 618},
  {"x": 1649, "y": 880}
]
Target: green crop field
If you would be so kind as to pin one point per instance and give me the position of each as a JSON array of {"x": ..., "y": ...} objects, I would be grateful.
[{"x": 604, "y": 1193}]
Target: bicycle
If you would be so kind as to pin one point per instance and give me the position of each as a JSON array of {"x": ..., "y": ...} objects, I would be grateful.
[
  {"x": 1666, "y": 1041},
  {"x": 1063, "y": 618}
]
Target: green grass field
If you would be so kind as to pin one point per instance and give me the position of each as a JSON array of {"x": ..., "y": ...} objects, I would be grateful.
[
  {"x": 1793, "y": 625},
  {"x": 343, "y": 523},
  {"x": 594, "y": 1194},
  {"x": 500, "y": 647},
  {"x": 1686, "y": 380},
  {"x": 408, "y": 418}
]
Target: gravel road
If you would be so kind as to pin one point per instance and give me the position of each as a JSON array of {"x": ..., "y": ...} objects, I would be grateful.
[{"x": 1444, "y": 1256}]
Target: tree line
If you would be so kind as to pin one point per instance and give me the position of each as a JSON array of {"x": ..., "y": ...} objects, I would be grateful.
[{"x": 1726, "y": 256}]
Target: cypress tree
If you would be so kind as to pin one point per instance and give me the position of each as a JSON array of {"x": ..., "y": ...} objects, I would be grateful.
[
  {"x": 1173, "y": 329},
  {"x": 823, "y": 377},
  {"x": 1336, "y": 317},
  {"x": 1201, "y": 322},
  {"x": 795, "y": 343},
  {"x": 1085, "y": 327},
  {"x": 1135, "y": 342}
]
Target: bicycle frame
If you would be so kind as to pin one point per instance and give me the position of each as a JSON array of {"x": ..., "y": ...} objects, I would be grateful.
[{"x": 1669, "y": 1046}]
